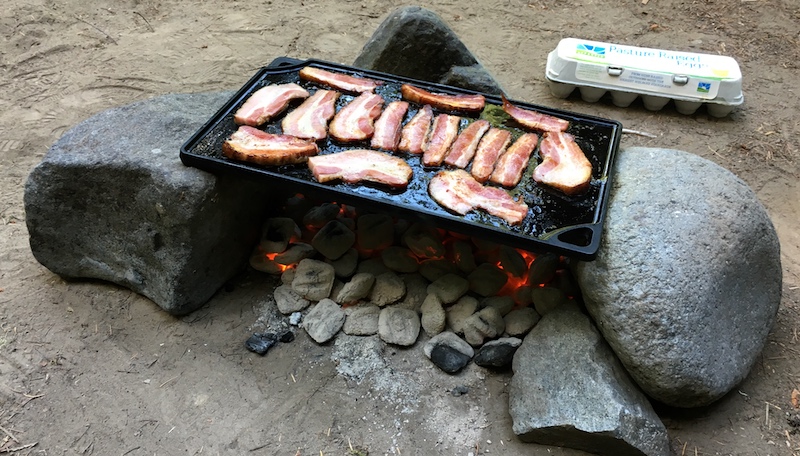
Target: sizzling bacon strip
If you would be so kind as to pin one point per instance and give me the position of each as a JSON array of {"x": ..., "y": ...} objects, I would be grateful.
[
  {"x": 466, "y": 144},
  {"x": 443, "y": 133},
  {"x": 533, "y": 119},
  {"x": 414, "y": 135},
  {"x": 355, "y": 121},
  {"x": 267, "y": 102},
  {"x": 465, "y": 102},
  {"x": 358, "y": 165},
  {"x": 253, "y": 145},
  {"x": 458, "y": 191},
  {"x": 509, "y": 168},
  {"x": 388, "y": 125},
  {"x": 346, "y": 83},
  {"x": 490, "y": 148},
  {"x": 310, "y": 119},
  {"x": 564, "y": 166}
]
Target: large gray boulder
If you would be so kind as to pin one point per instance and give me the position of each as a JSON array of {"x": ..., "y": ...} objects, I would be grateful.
[
  {"x": 569, "y": 390},
  {"x": 687, "y": 281},
  {"x": 416, "y": 43},
  {"x": 111, "y": 200}
]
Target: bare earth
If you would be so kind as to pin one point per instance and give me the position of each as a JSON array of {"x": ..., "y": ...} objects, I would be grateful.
[{"x": 91, "y": 368}]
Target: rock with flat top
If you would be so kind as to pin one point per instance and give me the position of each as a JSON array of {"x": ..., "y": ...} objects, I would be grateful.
[
  {"x": 687, "y": 282},
  {"x": 111, "y": 200}
]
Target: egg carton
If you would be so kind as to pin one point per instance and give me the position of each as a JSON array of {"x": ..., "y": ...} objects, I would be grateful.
[{"x": 656, "y": 75}]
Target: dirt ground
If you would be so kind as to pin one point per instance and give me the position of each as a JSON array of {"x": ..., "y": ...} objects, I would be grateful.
[{"x": 91, "y": 368}]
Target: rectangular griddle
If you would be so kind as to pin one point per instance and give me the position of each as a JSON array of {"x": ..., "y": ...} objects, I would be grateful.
[{"x": 566, "y": 225}]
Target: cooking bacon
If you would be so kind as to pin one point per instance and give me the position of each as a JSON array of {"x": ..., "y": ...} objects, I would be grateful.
[
  {"x": 346, "y": 83},
  {"x": 414, "y": 135},
  {"x": 388, "y": 125},
  {"x": 310, "y": 119},
  {"x": 355, "y": 121},
  {"x": 464, "y": 102},
  {"x": 443, "y": 133},
  {"x": 267, "y": 102},
  {"x": 255, "y": 146},
  {"x": 533, "y": 119},
  {"x": 458, "y": 191},
  {"x": 358, "y": 165},
  {"x": 564, "y": 166},
  {"x": 464, "y": 147},
  {"x": 490, "y": 148},
  {"x": 509, "y": 168}
]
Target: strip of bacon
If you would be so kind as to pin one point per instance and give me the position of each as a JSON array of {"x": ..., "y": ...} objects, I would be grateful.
[
  {"x": 564, "y": 166},
  {"x": 346, "y": 83},
  {"x": 310, "y": 119},
  {"x": 490, "y": 148},
  {"x": 509, "y": 168},
  {"x": 463, "y": 149},
  {"x": 388, "y": 125},
  {"x": 533, "y": 119},
  {"x": 464, "y": 102},
  {"x": 355, "y": 121},
  {"x": 358, "y": 165},
  {"x": 443, "y": 133},
  {"x": 458, "y": 191},
  {"x": 414, "y": 135},
  {"x": 267, "y": 102},
  {"x": 255, "y": 146}
]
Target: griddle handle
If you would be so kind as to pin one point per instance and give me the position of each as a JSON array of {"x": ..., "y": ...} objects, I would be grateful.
[{"x": 581, "y": 239}]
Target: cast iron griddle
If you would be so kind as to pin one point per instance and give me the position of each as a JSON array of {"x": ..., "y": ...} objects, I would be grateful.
[{"x": 567, "y": 225}]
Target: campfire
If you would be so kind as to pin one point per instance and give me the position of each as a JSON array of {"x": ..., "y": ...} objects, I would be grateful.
[{"x": 356, "y": 258}]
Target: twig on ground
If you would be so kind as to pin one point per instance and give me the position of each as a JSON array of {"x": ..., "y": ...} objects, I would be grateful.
[
  {"x": 19, "y": 448},
  {"x": 96, "y": 28},
  {"x": 145, "y": 21},
  {"x": 167, "y": 381},
  {"x": 637, "y": 132},
  {"x": 8, "y": 433}
]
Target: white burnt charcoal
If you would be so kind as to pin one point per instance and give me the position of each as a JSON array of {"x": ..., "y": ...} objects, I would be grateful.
[
  {"x": 313, "y": 279},
  {"x": 288, "y": 301},
  {"x": 356, "y": 289},
  {"x": 374, "y": 232},
  {"x": 433, "y": 316},
  {"x": 520, "y": 321},
  {"x": 362, "y": 320},
  {"x": 294, "y": 254},
  {"x": 398, "y": 326},
  {"x": 277, "y": 233},
  {"x": 497, "y": 354},
  {"x": 261, "y": 262},
  {"x": 388, "y": 288},
  {"x": 458, "y": 313},
  {"x": 503, "y": 304},
  {"x": 449, "y": 287},
  {"x": 333, "y": 240},
  {"x": 485, "y": 324},
  {"x": 400, "y": 259},
  {"x": 416, "y": 292},
  {"x": 324, "y": 320},
  {"x": 487, "y": 280},
  {"x": 448, "y": 351},
  {"x": 345, "y": 266}
]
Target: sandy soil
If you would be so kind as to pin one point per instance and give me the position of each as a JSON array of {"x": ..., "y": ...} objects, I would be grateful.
[{"x": 90, "y": 368}]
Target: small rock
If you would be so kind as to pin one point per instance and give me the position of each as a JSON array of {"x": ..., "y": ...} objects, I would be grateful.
[
  {"x": 400, "y": 259},
  {"x": 313, "y": 279},
  {"x": 497, "y": 353},
  {"x": 458, "y": 313},
  {"x": 295, "y": 318},
  {"x": 398, "y": 326},
  {"x": 451, "y": 340},
  {"x": 487, "y": 280},
  {"x": 288, "y": 301},
  {"x": 433, "y": 317},
  {"x": 520, "y": 321},
  {"x": 388, "y": 288},
  {"x": 324, "y": 320},
  {"x": 448, "y": 358},
  {"x": 362, "y": 320},
  {"x": 333, "y": 240},
  {"x": 356, "y": 289},
  {"x": 545, "y": 299},
  {"x": 459, "y": 390},
  {"x": 449, "y": 287}
]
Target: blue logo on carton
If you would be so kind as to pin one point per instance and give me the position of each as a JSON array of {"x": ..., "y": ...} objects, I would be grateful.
[
  {"x": 591, "y": 50},
  {"x": 703, "y": 87}
]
